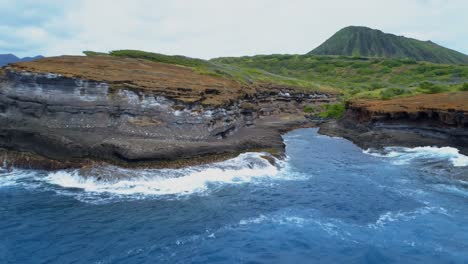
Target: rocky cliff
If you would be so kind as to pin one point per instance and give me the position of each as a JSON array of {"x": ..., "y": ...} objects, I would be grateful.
[
  {"x": 422, "y": 120},
  {"x": 70, "y": 111}
]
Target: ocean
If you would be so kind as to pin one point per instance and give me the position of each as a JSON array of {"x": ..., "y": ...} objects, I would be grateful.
[{"x": 328, "y": 201}]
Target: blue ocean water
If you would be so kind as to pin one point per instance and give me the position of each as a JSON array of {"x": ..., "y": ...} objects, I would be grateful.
[{"x": 328, "y": 202}]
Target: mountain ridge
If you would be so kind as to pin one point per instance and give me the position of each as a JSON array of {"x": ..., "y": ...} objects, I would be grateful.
[
  {"x": 367, "y": 42},
  {"x": 11, "y": 58}
]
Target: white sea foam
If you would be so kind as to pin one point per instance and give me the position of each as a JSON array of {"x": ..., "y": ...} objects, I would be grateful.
[
  {"x": 389, "y": 217},
  {"x": 402, "y": 155},
  {"x": 254, "y": 220},
  {"x": 14, "y": 177},
  {"x": 456, "y": 190},
  {"x": 332, "y": 227},
  {"x": 245, "y": 168},
  {"x": 275, "y": 219}
]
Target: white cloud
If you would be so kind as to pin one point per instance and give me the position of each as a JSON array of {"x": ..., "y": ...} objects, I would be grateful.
[
  {"x": 211, "y": 28},
  {"x": 34, "y": 34}
]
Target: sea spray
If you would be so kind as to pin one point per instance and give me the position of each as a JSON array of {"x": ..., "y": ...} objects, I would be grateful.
[
  {"x": 245, "y": 168},
  {"x": 16, "y": 177},
  {"x": 403, "y": 155}
]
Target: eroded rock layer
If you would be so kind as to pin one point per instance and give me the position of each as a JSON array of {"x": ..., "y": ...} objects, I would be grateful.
[
  {"x": 422, "y": 120},
  {"x": 71, "y": 111}
]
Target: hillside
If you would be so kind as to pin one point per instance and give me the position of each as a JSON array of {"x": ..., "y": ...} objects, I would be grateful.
[
  {"x": 367, "y": 42},
  {"x": 10, "y": 58},
  {"x": 358, "y": 77},
  {"x": 242, "y": 75}
]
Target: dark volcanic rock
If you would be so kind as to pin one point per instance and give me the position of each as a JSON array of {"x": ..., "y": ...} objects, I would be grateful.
[
  {"x": 424, "y": 120},
  {"x": 53, "y": 121}
]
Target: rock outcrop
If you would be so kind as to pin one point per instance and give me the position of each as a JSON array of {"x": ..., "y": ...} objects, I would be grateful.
[
  {"x": 71, "y": 111},
  {"x": 422, "y": 120}
]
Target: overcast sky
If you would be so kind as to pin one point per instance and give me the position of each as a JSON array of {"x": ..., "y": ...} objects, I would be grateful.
[{"x": 213, "y": 28}]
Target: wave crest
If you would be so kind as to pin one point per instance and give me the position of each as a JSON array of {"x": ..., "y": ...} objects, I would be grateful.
[
  {"x": 245, "y": 168},
  {"x": 403, "y": 155}
]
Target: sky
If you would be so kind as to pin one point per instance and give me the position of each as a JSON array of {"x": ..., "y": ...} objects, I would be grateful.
[{"x": 215, "y": 28}]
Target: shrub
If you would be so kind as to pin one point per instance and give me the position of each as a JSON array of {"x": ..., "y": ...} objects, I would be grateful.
[
  {"x": 426, "y": 85},
  {"x": 464, "y": 87},
  {"x": 90, "y": 53},
  {"x": 442, "y": 72},
  {"x": 358, "y": 65},
  {"x": 365, "y": 71},
  {"x": 376, "y": 85},
  {"x": 385, "y": 69},
  {"x": 391, "y": 92},
  {"x": 356, "y": 90},
  {"x": 310, "y": 108},
  {"x": 333, "y": 110},
  {"x": 324, "y": 68},
  {"x": 157, "y": 57},
  {"x": 431, "y": 87},
  {"x": 436, "y": 89},
  {"x": 391, "y": 63},
  {"x": 408, "y": 61}
]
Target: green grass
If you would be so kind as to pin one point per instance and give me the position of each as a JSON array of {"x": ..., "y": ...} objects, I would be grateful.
[
  {"x": 464, "y": 87},
  {"x": 327, "y": 110},
  {"x": 244, "y": 75},
  {"x": 177, "y": 59},
  {"x": 310, "y": 109},
  {"x": 333, "y": 110},
  {"x": 93, "y": 53},
  {"x": 353, "y": 77},
  {"x": 376, "y": 78}
]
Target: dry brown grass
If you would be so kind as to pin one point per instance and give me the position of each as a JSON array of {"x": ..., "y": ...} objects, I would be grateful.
[
  {"x": 177, "y": 82},
  {"x": 457, "y": 101}
]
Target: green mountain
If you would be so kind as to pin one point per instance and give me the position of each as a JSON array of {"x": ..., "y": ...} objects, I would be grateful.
[{"x": 367, "y": 42}]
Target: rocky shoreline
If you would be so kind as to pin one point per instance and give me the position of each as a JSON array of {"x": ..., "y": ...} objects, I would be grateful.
[
  {"x": 59, "y": 120},
  {"x": 424, "y": 120},
  {"x": 71, "y": 112}
]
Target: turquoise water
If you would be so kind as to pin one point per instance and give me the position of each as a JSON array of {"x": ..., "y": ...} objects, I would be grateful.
[{"x": 328, "y": 202}]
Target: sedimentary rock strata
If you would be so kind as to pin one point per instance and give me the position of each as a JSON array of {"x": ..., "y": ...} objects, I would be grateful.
[
  {"x": 73, "y": 110},
  {"x": 422, "y": 120}
]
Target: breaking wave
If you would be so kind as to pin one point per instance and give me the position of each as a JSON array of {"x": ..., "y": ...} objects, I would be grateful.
[
  {"x": 14, "y": 177},
  {"x": 403, "y": 155},
  {"x": 245, "y": 168}
]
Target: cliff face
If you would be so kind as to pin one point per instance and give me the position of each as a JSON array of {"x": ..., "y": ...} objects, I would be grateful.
[
  {"x": 444, "y": 110},
  {"x": 434, "y": 120},
  {"x": 71, "y": 119},
  {"x": 55, "y": 102}
]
